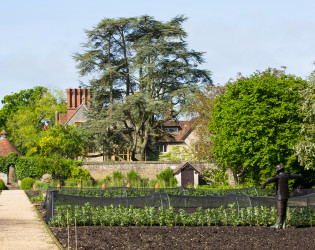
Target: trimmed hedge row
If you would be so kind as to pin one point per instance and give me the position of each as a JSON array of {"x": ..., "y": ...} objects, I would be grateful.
[{"x": 37, "y": 166}]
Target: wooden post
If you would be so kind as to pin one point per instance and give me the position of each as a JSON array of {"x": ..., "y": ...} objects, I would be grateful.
[
  {"x": 34, "y": 186},
  {"x": 79, "y": 185}
]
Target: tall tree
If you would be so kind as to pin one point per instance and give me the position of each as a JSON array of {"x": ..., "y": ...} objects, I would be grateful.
[
  {"x": 256, "y": 124},
  {"x": 11, "y": 103},
  {"x": 61, "y": 142},
  {"x": 142, "y": 68},
  {"x": 27, "y": 122},
  {"x": 305, "y": 148},
  {"x": 200, "y": 110}
]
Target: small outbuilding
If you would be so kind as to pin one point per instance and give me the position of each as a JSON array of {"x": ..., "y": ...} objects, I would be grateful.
[{"x": 186, "y": 174}]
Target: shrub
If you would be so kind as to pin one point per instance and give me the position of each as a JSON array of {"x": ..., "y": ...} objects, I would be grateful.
[
  {"x": 134, "y": 178},
  {"x": 118, "y": 179},
  {"x": 27, "y": 183},
  {"x": 2, "y": 185},
  {"x": 167, "y": 178}
]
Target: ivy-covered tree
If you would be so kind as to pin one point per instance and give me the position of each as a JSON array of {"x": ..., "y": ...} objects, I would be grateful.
[
  {"x": 142, "y": 69},
  {"x": 256, "y": 123},
  {"x": 305, "y": 148}
]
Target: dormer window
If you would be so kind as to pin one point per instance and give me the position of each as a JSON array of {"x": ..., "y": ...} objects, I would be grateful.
[{"x": 171, "y": 129}]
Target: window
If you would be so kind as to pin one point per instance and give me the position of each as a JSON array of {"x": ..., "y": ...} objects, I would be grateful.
[
  {"x": 170, "y": 129},
  {"x": 162, "y": 148}
]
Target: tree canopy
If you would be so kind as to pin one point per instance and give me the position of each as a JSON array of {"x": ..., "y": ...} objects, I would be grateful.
[
  {"x": 256, "y": 124},
  {"x": 24, "y": 114},
  {"x": 61, "y": 142},
  {"x": 142, "y": 68},
  {"x": 305, "y": 148}
]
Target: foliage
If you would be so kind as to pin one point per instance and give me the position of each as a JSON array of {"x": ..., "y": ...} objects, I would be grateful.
[
  {"x": 61, "y": 142},
  {"x": 149, "y": 216},
  {"x": 2, "y": 185},
  {"x": 40, "y": 197},
  {"x": 36, "y": 166},
  {"x": 11, "y": 103},
  {"x": 255, "y": 125},
  {"x": 177, "y": 153},
  {"x": 305, "y": 148},
  {"x": 7, "y": 161},
  {"x": 118, "y": 179},
  {"x": 166, "y": 178},
  {"x": 27, "y": 183},
  {"x": 133, "y": 178},
  {"x": 217, "y": 176},
  {"x": 201, "y": 110},
  {"x": 31, "y": 109},
  {"x": 143, "y": 69}
]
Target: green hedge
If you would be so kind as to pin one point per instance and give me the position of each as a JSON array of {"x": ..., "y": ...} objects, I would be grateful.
[
  {"x": 27, "y": 183},
  {"x": 37, "y": 166},
  {"x": 2, "y": 185}
]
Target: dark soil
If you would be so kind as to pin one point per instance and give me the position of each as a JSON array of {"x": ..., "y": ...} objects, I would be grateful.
[
  {"x": 221, "y": 237},
  {"x": 186, "y": 238}
]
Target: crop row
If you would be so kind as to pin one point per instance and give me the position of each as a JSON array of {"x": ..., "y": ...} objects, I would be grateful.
[
  {"x": 150, "y": 216},
  {"x": 133, "y": 192}
]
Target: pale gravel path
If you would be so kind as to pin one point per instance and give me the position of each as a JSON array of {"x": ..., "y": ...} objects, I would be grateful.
[{"x": 20, "y": 225}]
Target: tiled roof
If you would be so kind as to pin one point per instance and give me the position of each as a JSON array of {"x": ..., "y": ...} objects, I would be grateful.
[
  {"x": 180, "y": 136},
  {"x": 6, "y": 147},
  {"x": 180, "y": 167}
]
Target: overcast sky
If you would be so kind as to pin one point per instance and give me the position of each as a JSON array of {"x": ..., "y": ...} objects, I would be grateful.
[{"x": 39, "y": 37}]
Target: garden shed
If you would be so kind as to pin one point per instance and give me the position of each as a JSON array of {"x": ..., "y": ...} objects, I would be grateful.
[{"x": 186, "y": 174}]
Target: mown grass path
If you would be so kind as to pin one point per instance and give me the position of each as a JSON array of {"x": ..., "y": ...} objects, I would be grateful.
[{"x": 20, "y": 226}]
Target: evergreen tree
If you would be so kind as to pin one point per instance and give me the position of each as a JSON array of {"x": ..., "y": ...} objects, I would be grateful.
[{"x": 142, "y": 69}]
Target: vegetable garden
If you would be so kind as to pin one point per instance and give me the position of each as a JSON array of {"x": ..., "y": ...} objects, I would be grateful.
[{"x": 174, "y": 207}]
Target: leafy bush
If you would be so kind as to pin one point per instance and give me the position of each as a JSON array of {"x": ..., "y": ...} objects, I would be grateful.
[
  {"x": 166, "y": 178},
  {"x": 37, "y": 166},
  {"x": 40, "y": 197},
  {"x": 133, "y": 178},
  {"x": 2, "y": 185},
  {"x": 27, "y": 183},
  {"x": 118, "y": 179}
]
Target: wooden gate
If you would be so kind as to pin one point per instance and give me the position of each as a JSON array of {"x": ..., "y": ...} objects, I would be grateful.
[{"x": 187, "y": 176}]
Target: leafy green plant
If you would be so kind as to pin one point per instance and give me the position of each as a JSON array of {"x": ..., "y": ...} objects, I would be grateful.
[
  {"x": 166, "y": 178},
  {"x": 118, "y": 178},
  {"x": 40, "y": 197},
  {"x": 2, "y": 185},
  {"x": 27, "y": 183}
]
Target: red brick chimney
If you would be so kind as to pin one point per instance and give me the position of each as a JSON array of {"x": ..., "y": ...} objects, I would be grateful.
[{"x": 75, "y": 97}]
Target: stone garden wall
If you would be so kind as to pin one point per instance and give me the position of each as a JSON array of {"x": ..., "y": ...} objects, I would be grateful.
[{"x": 99, "y": 170}]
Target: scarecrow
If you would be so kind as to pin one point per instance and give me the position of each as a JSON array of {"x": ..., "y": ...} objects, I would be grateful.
[{"x": 282, "y": 189}]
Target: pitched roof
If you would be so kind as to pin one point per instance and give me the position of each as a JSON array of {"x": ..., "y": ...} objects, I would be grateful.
[
  {"x": 79, "y": 115},
  {"x": 183, "y": 132},
  {"x": 6, "y": 147},
  {"x": 183, "y": 165}
]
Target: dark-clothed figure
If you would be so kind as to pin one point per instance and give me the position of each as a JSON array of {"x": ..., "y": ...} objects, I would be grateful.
[{"x": 282, "y": 188}]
